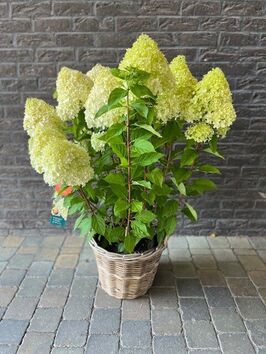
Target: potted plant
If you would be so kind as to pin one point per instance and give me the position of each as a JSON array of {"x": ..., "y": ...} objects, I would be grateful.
[{"x": 127, "y": 144}]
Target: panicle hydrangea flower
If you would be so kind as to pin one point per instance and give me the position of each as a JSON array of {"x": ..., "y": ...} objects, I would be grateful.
[
  {"x": 200, "y": 132},
  {"x": 185, "y": 82},
  {"x": 145, "y": 55},
  {"x": 72, "y": 89},
  {"x": 104, "y": 84},
  {"x": 96, "y": 143},
  {"x": 65, "y": 162},
  {"x": 212, "y": 101},
  {"x": 38, "y": 142},
  {"x": 38, "y": 112}
]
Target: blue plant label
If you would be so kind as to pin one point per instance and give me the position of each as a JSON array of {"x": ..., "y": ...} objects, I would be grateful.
[{"x": 57, "y": 220}]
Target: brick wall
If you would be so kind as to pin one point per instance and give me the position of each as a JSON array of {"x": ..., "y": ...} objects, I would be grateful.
[{"x": 38, "y": 37}]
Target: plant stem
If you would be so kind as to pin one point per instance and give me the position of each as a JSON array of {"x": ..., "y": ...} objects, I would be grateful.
[
  {"x": 168, "y": 161},
  {"x": 87, "y": 201},
  {"x": 129, "y": 182}
]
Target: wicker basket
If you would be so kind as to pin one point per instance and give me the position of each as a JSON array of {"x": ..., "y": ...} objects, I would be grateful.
[{"x": 126, "y": 276}]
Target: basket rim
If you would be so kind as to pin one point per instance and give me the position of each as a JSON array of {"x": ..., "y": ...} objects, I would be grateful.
[{"x": 127, "y": 257}]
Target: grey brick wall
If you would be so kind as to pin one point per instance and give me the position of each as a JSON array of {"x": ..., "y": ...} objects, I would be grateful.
[{"x": 38, "y": 37}]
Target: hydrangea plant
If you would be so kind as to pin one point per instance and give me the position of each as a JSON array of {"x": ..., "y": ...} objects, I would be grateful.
[{"x": 128, "y": 141}]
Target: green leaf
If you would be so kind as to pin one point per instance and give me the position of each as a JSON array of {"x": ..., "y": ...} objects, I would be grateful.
[
  {"x": 202, "y": 185},
  {"x": 115, "y": 130},
  {"x": 116, "y": 234},
  {"x": 115, "y": 178},
  {"x": 148, "y": 158},
  {"x": 102, "y": 110},
  {"x": 141, "y": 90},
  {"x": 141, "y": 108},
  {"x": 182, "y": 189},
  {"x": 149, "y": 197},
  {"x": 181, "y": 174},
  {"x": 116, "y": 95},
  {"x": 215, "y": 153},
  {"x": 188, "y": 157},
  {"x": 209, "y": 169},
  {"x": 170, "y": 208},
  {"x": 119, "y": 190},
  {"x": 98, "y": 224},
  {"x": 146, "y": 216},
  {"x": 149, "y": 128},
  {"x": 120, "y": 207},
  {"x": 76, "y": 208},
  {"x": 145, "y": 184},
  {"x": 170, "y": 225},
  {"x": 139, "y": 229},
  {"x": 78, "y": 221},
  {"x": 161, "y": 191},
  {"x": 213, "y": 144},
  {"x": 130, "y": 242},
  {"x": 142, "y": 146},
  {"x": 156, "y": 177},
  {"x": 136, "y": 206},
  {"x": 85, "y": 226},
  {"x": 190, "y": 212},
  {"x": 121, "y": 74}
]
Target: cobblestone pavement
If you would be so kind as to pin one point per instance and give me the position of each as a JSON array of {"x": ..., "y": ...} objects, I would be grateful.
[{"x": 208, "y": 297}]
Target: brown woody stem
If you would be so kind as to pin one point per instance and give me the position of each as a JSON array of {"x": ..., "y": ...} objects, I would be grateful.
[{"x": 129, "y": 182}]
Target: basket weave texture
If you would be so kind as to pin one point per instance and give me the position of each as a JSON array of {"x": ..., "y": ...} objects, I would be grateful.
[{"x": 126, "y": 276}]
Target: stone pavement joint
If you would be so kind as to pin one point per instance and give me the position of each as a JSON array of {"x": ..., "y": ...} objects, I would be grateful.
[{"x": 209, "y": 297}]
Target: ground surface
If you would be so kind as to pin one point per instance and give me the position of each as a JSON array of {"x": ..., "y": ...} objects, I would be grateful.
[{"x": 209, "y": 297}]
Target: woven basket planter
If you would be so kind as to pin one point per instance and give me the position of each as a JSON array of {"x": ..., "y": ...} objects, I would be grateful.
[{"x": 126, "y": 276}]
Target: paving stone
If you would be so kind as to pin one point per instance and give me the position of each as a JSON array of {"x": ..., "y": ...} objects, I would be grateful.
[
  {"x": 32, "y": 287},
  {"x": 204, "y": 351},
  {"x": 165, "y": 264},
  {"x": 105, "y": 321},
  {"x": 262, "y": 255},
  {"x": 45, "y": 320},
  {"x": 219, "y": 297},
  {"x": 20, "y": 261},
  {"x": 224, "y": 255},
  {"x": 12, "y": 277},
  {"x": 2, "y": 311},
  {"x": 204, "y": 261},
  {"x": 12, "y": 241},
  {"x": 232, "y": 269},
  {"x": 67, "y": 351},
  {"x": 262, "y": 293},
  {"x": 179, "y": 256},
  {"x": 194, "y": 309},
  {"x": 47, "y": 254},
  {"x": 21, "y": 308},
  {"x": 177, "y": 242},
  {"x": 6, "y": 295},
  {"x": 71, "y": 334},
  {"x": 104, "y": 300},
  {"x": 135, "y": 351},
  {"x": 136, "y": 309},
  {"x": 244, "y": 252},
  {"x": 227, "y": 320},
  {"x": 258, "y": 243},
  {"x": 164, "y": 279},
  {"x": 200, "y": 334},
  {"x": 74, "y": 241},
  {"x": 8, "y": 349},
  {"x": 166, "y": 322},
  {"x": 53, "y": 241},
  {"x": 70, "y": 251},
  {"x": 218, "y": 242},
  {"x": 141, "y": 337},
  {"x": 211, "y": 277},
  {"x": 184, "y": 270},
  {"x": 258, "y": 277},
  {"x": 53, "y": 297},
  {"x": 83, "y": 286},
  {"x": 28, "y": 250},
  {"x": 197, "y": 242},
  {"x": 251, "y": 308},
  {"x": 6, "y": 253},
  {"x": 66, "y": 261},
  {"x": 169, "y": 345},
  {"x": 189, "y": 288},
  {"x": 61, "y": 277},
  {"x": 88, "y": 269},
  {"x": 99, "y": 344},
  {"x": 241, "y": 287},
  {"x": 252, "y": 263},
  {"x": 12, "y": 331},
  {"x": 236, "y": 343},
  {"x": 239, "y": 242},
  {"x": 35, "y": 342},
  {"x": 257, "y": 330},
  {"x": 262, "y": 350},
  {"x": 40, "y": 269},
  {"x": 2, "y": 266},
  {"x": 78, "y": 308},
  {"x": 200, "y": 251},
  {"x": 163, "y": 298},
  {"x": 32, "y": 241}
]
